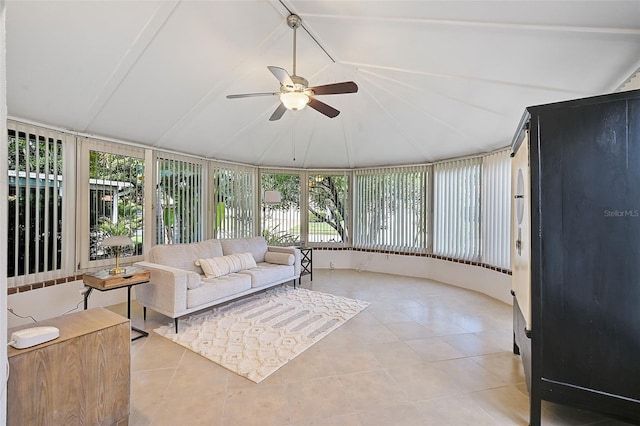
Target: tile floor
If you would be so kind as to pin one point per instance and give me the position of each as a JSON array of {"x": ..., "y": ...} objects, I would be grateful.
[{"x": 423, "y": 353}]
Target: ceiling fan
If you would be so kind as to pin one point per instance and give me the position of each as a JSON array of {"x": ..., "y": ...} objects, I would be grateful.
[{"x": 295, "y": 92}]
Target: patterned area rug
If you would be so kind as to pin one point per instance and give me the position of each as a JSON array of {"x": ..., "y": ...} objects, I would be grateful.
[{"x": 254, "y": 337}]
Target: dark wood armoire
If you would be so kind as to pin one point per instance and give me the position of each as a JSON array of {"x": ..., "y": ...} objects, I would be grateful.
[{"x": 576, "y": 253}]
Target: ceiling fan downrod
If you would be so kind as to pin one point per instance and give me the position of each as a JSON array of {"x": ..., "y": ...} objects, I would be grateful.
[{"x": 294, "y": 22}]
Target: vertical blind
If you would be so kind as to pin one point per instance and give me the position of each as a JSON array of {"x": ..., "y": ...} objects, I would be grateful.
[
  {"x": 35, "y": 204},
  {"x": 179, "y": 200},
  {"x": 456, "y": 198},
  {"x": 496, "y": 209},
  {"x": 391, "y": 209},
  {"x": 233, "y": 200}
]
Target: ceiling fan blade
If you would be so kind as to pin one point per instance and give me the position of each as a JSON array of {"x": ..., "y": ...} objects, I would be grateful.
[
  {"x": 251, "y": 95},
  {"x": 282, "y": 75},
  {"x": 323, "y": 108},
  {"x": 278, "y": 112},
  {"x": 335, "y": 88}
]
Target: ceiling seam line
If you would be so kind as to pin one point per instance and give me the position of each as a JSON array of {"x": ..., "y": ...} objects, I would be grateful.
[
  {"x": 413, "y": 87},
  {"x": 205, "y": 100},
  {"x": 521, "y": 27},
  {"x": 93, "y": 117},
  {"x": 465, "y": 78},
  {"x": 315, "y": 40},
  {"x": 413, "y": 142}
]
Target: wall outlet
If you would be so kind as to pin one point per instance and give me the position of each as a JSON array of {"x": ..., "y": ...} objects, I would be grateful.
[{"x": 331, "y": 265}]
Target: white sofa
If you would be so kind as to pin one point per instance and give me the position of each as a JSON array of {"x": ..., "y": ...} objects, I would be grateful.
[{"x": 179, "y": 285}]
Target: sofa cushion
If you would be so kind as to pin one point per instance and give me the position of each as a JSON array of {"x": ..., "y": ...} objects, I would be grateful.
[
  {"x": 181, "y": 256},
  {"x": 279, "y": 258},
  {"x": 217, "y": 288},
  {"x": 193, "y": 281},
  {"x": 224, "y": 265},
  {"x": 257, "y": 246},
  {"x": 268, "y": 273}
]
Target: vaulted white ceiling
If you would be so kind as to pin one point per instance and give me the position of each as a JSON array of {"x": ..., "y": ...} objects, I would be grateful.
[{"x": 437, "y": 79}]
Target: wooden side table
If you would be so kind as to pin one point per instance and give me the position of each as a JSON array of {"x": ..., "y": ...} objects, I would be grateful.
[{"x": 103, "y": 281}]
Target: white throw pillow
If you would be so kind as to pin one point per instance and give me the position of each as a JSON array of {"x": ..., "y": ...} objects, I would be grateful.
[
  {"x": 224, "y": 265},
  {"x": 247, "y": 261},
  {"x": 279, "y": 258},
  {"x": 212, "y": 268}
]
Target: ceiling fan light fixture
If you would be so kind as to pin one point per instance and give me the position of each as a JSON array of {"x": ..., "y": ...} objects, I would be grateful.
[{"x": 294, "y": 101}]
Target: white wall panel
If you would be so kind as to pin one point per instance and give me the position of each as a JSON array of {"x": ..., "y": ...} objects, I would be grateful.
[{"x": 492, "y": 283}]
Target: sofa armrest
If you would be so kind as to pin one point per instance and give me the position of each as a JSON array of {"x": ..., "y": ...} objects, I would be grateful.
[
  {"x": 289, "y": 250},
  {"x": 166, "y": 291}
]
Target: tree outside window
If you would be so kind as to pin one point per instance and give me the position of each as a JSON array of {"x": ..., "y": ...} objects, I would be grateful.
[{"x": 328, "y": 208}]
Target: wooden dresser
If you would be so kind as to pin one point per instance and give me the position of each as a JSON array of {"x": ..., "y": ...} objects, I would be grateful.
[{"x": 81, "y": 378}]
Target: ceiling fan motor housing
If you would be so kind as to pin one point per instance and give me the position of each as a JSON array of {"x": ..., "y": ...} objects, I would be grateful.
[
  {"x": 300, "y": 83},
  {"x": 293, "y": 21}
]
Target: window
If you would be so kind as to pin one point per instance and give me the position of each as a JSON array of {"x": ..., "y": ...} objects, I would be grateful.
[
  {"x": 233, "y": 201},
  {"x": 456, "y": 198},
  {"x": 391, "y": 209},
  {"x": 179, "y": 209},
  {"x": 112, "y": 178},
  {"x": 496, "y": 209},
  {"x": 67, "y": 194},
  {"x": 328, "y": 208},
  {"x": 36, "y": 208},
  {"x": 281, "y": 222}
]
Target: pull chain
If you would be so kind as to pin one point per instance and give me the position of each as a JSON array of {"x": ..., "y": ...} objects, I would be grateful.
[{"x": 293, "y": 136}]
